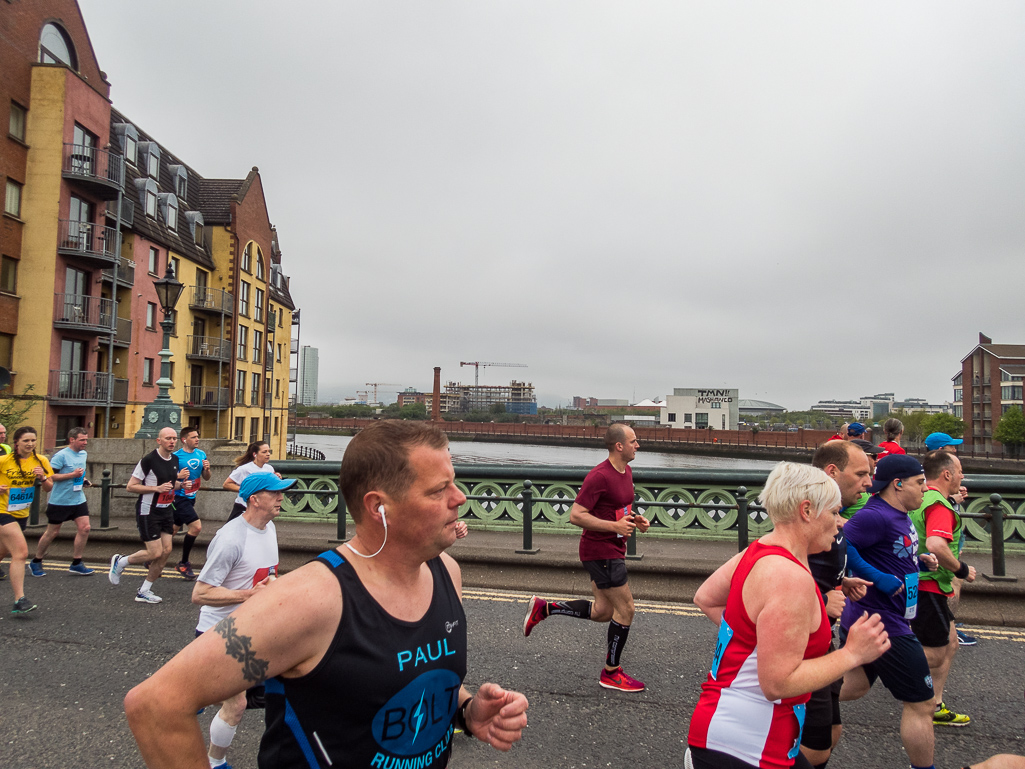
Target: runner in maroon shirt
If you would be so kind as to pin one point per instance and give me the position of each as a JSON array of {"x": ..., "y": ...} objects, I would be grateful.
[{"x": 604, "y": 510}]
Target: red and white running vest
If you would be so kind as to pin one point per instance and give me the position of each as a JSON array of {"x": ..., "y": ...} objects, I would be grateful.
[{"x": 732, "y": 715}]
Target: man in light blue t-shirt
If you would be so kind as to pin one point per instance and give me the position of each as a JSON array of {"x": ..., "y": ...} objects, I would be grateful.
[
  {"x": 67, "y": 502},
  {"x": 192, "y": 458}
]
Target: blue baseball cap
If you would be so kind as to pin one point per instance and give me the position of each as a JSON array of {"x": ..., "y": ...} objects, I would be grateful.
[
  {"x": 855, "y": 428},
  {"x": 263, "y": 482},
  {"x": 893, "y": 467},
  {"x": 938, "y": 440}
]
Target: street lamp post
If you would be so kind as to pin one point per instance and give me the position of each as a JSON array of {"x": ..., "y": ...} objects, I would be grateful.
[{"x": 162, "y": 412}]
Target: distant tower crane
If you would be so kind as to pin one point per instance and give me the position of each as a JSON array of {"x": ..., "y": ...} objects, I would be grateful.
[
  {"x": 478, "y": 365},
  {"x": 375, "y": 385}
]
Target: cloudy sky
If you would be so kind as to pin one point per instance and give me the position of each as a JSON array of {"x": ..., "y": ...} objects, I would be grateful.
[{"x": 802, "y": 200}]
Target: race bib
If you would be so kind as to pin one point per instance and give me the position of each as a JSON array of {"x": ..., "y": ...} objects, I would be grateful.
[
  {"x": 911, "y": 591},
  {"x": 78, "y": 483},
  {"x": 19, "y": 499},
  {"x": 725, "y": 636},
  {"x": 165, "y": 499},
  {"x": 623, "y": 512}
]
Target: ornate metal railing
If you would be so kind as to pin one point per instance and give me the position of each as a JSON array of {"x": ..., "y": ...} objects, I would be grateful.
[{"x": 696, "y": 504}]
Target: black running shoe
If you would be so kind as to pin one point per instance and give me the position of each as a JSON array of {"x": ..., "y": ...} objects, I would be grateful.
[{"x": 23, "y": 606}]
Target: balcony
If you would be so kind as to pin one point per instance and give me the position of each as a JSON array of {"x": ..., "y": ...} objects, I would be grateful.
[
  {"x": 86, "y": 388},
  {"x": 293, "y": 375},
  {"x": 212, "y": 300},
  {"x": 122, "y": 334},
  {"x": 87, "y": 240},
  {"x": 100, "y": 172},
  {"x": 206, "y": 397},
  {"x": 127, "y": 211},
  {"x": 125, "y": 273},
  {"x": 83, "y": 313},
  {"x": 294, "y": 347},
  {"x": 208, "y": 348}
]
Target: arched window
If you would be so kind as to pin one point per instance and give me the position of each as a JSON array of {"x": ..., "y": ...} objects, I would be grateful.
[{"x": 55, "y": 47}]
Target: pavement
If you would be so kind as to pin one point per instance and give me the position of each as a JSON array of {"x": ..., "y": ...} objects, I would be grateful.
[{"x": 667, "y": 570}]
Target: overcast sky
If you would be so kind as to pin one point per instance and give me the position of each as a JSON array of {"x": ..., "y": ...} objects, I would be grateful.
[{"x": 801, "y": 200}]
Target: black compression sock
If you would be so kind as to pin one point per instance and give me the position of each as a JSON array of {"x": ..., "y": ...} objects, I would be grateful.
[
  {"x": 617, "y": 640},
  {"x": 37, "y": 560},
  {"x": 76, "y": 561},
  {"x": 580, "y": 608},
  {"x": 187, "y": 547}
]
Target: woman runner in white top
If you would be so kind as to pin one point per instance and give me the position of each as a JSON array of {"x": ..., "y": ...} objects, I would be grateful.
[{"x": 255, "y": 460}]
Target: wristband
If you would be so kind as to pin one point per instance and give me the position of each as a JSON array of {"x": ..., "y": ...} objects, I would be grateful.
[
  {"x": 460, "y": 718},
  {"x": 962, "y": 572}
]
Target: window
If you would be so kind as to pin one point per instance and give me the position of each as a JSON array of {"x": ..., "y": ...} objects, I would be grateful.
[
  {"x": 279, "y": 353},
  {"x": 254, "y": 429},
  {"x": 16, "y": 127},
  {"x": 270, "y": 355},
  {"x": 276, "y": 425},
  {"x": 957, "y": 394},
  {"x": 255, "y": 392},
  {"x": 174, "y": 322},
  {"x": 257, "y": 346},
  {"x": 1011, "y": 393},
  {"x": 259, "y": 268},
  {"x": 266, "y": 425},
  {"x": 151, "y": 316},
  {"x": 55, "y": 47},
  {"x": 198, "y": 235},
  {"x": 153, "y": 164},
  {"x": 279, "y": 320},
  {"x": 154, "y": 262},
  {"x": 277, "y": 389},
  {"x": 240, "y": 429},
  {"x": 8, "y": 276},
  {"x": 181, "y": 180},
  {"x": 240, "y": 388},
  {"x": 258, "y": 306},
  {"x": 171, "y": 216},
  {"x": 243, "y": 299},
  {"x": 131, "y": 149},
  {"x": 12, "y": 200},
  {"x": 147, "y": 371},
  {"x": 701, "y": 420},
  {"x": 151, "y": 204},
  {"x": 176, "y": 265},
  {"x": 247, "y": 258},
  {"x": 243, "y": 342},
  {"x": 688, "y": 418},
  {"x": 266, "y": 385},
  {"x": 672, "y": 416}
]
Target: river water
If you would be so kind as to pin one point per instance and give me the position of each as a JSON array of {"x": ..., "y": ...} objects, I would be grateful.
[{"x": 471, "y": 453}]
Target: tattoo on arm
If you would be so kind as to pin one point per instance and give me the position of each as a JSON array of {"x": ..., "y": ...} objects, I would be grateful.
[{"x": 240, "y": 647}]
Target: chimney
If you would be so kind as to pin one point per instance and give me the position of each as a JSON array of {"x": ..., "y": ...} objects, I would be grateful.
[
  {"x": 436, "y": 401},
  {"x": 983, "y": 339}
]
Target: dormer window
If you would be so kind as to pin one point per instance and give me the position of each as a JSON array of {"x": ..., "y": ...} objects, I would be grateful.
[
  {"x": 147, "y": 196},
  {"x": 129, "y": 141},
  {"x": 169, "y": 210},
  {"x": 152, "y": 153},
  {"x": 195, "y": 222},
  {"x": 181, "y": 180}
]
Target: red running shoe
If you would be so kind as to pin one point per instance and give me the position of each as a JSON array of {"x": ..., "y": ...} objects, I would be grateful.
[
  {"x": 620, "y": 680},
  {"x": 537, "y": 611}
]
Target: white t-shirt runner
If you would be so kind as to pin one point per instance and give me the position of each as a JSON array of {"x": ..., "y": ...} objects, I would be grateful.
[
  {"x": 242, "y": 472},
  {"x": 237, "y": 558}
]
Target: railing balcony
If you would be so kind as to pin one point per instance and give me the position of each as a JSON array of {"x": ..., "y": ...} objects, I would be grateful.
[
  {"x": 88, "y": 240},
  {"x": 83, "y": 313},
  {"x": 125, "y": 273},
  {"x": 208, "y": 348},
  {"x": 206, "y": 397},
  {"x": 127, "y": 211},
  {"x": 294, "y": 347},
  {"x": 86, "y": 388},
  {"x": 100, "y": 171},
  {"x": 123, "y": 333},
  {"x": 215, "y": 300}
]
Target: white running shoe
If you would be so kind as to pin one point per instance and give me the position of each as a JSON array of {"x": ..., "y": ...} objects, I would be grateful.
[
  {"x": 117, "y": 568},
  {"x": 147, "y": 597}
]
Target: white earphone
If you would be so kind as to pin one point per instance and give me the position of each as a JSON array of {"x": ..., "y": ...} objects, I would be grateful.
[{"x": 384, "y": 520}]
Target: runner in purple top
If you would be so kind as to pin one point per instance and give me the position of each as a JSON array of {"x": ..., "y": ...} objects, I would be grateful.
[
  {"x": 604, "y": 510},
  {"x": 882, "y": 546}
]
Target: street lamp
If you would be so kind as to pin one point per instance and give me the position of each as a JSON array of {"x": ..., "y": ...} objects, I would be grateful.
[{"x": 162, "y": 412}]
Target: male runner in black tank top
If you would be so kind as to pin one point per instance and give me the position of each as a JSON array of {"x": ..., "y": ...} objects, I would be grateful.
[{"x": 392, "y": 579}]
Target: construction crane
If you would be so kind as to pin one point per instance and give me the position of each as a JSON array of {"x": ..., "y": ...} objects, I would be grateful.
[
  {"x": 375, "y": 385},
  {"x": 478, "y": 365}
]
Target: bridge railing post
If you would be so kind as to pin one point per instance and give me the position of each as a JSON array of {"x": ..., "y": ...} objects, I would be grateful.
[
  {"x": 995, "y": 515},
  {"x": 743, "y": 518},
  {"x": 527, "y": 495},
  {"x": 105, "y": 493}
]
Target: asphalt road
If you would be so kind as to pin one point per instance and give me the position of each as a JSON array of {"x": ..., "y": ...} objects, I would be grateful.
[{"x": 67, "y": 666}]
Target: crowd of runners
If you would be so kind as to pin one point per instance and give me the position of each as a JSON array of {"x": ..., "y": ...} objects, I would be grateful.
[{"x": 857, "y": 581}]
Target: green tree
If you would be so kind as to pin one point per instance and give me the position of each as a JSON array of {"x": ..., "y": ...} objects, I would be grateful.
[
  {"x": 943, "y": 423},
  {"x": 14, "y": 407},
  {"x": 1010, "y": 430}
]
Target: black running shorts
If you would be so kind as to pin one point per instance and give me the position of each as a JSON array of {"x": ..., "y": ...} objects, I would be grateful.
[
  {"x": 932, "y": 623},
  {"x": 902, "y": 669},
  {"x": 159, "y": 521},
  {"x": 61, "y": 513},
  {"x": 6, "y": 518},
  {"x": 702, "y": 758},
  {"x": 606, "y": 574},
  {"x": 821, "y": 714},
  {"x": 184, "y": 511}
]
